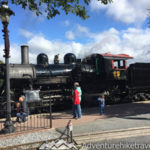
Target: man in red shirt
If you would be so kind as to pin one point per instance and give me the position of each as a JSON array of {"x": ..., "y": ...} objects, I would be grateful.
[{"x": 76, "y": 103}]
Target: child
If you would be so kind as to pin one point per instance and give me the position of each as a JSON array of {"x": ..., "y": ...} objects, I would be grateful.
[{"x": 101, "y": 100}]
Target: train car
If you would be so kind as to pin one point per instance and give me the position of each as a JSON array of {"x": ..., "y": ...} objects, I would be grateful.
[{"x": 138, "y": 75}]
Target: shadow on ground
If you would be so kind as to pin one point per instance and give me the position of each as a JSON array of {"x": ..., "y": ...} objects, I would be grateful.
[{"x": 125, "y": 110}]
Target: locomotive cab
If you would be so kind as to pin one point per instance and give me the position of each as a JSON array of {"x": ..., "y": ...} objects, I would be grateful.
[
  {"x": 107, "y": 65},
  {"x": 116, "y": 65},
  {"x": 104, "y": 71},
  {"x": 119, "y": 69}
]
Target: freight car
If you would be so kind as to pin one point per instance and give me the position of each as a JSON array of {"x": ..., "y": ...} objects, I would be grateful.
[
  {"x": 96, "y": 73},
  {"x": 138, "y": 76}
]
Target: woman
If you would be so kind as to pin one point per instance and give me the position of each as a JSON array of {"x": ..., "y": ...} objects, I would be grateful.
[{"x": 76, "y": 102}]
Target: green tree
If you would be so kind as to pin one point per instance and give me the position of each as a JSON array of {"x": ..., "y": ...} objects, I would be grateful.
[{"x": 53, "y": 7}]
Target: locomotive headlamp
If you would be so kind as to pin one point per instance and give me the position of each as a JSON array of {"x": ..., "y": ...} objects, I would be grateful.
[{"x": 5, "y": 13}]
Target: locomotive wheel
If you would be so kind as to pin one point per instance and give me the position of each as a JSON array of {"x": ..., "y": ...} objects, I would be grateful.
[
  {"x": 135, "y": 97},
  {"x": 147, "y": 96},
  {"x": 142, "y": 97}
]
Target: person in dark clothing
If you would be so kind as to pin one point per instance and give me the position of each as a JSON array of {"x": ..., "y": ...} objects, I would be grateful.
[{"x": 22, "y": 109}]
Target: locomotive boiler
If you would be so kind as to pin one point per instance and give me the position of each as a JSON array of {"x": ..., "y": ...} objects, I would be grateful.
[{"x": 55, "y": 80}]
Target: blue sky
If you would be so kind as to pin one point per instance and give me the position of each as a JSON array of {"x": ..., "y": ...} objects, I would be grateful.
[{"x": 120, "y": 27}]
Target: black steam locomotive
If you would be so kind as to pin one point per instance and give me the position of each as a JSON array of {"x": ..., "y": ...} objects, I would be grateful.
[{"x": 96, "y": 73}]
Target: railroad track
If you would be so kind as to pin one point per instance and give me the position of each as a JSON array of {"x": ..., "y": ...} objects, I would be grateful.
[{"x": 89, "y": 137}]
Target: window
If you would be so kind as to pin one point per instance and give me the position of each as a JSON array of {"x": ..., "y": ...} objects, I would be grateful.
[
  {"x": 119, "y": 64},
  {"x": 116, "y": 64}
]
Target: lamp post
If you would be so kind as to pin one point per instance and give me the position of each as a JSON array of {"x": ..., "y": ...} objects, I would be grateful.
[{"x": 5, "y": 13}]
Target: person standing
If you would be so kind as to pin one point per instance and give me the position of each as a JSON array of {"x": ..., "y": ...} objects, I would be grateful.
[
  {"x": 76, "y": 84},
  {"x": 101, "y": 100},
  {"x": 76, "y": 102}
]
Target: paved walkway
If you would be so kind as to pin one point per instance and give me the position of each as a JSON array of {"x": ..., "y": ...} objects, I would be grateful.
[
  {"x": 121, "y": 116},
  {"x": 117, "y": 117}
]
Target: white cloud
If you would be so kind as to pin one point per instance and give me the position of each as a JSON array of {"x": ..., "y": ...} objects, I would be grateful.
[
  {"x": 83, "y": 29},
  {"x": 132, "y": 41},
  {"x": 127, "y": 11},
  {"x": 40, "y": 43},
  {"x": 15, "y": 55},
  {"x": 79, "y": 31},
  {"x": 26, "y": 33},
  {"x": 111, "y": 35},
  {"x": 70, "y": 35},
  {"x": 66, "y": 23}
]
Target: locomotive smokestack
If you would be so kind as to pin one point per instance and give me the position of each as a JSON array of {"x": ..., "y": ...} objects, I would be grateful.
[{"x": 24, "y": 54}]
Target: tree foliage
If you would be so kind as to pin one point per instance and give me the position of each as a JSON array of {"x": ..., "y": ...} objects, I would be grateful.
[{"x": 54, "y": 7}]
